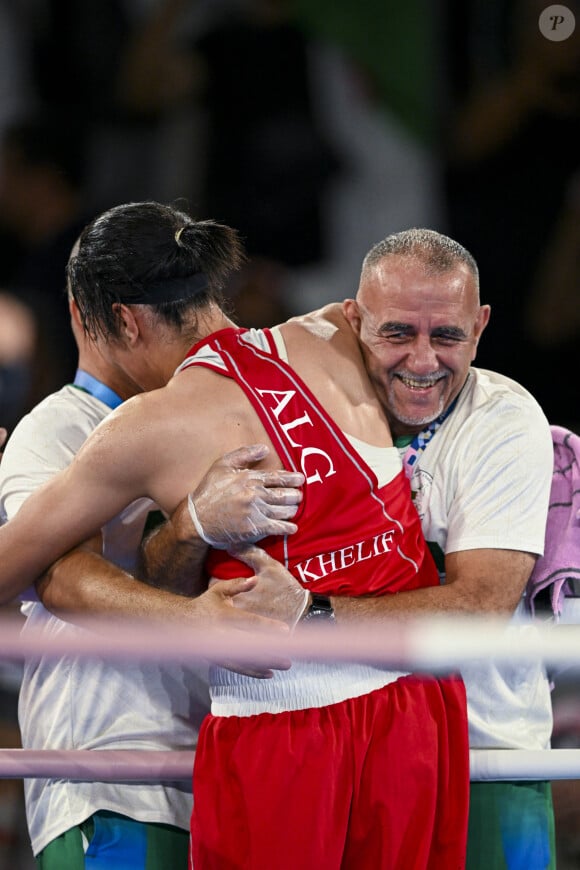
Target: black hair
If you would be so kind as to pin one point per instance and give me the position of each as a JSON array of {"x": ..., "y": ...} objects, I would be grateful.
[{"x": 142, "y": 244}]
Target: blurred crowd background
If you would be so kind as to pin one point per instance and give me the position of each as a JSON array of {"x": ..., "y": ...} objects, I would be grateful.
[{"x": 315, "y": 127}]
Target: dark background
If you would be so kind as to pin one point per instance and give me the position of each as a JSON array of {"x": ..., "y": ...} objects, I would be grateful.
[{"x": 315, "y": 127}]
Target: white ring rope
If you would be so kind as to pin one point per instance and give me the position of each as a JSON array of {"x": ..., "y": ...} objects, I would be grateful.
[
  {"x": 428, "y": 645},
  {"x": 102, "y": 765},
  {"x": 140, "y": 765}
]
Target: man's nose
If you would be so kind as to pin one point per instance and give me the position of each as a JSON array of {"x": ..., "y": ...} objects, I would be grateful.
[{"x": 422, "y": 357}]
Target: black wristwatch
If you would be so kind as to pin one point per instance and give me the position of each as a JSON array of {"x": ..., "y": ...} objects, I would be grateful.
[{"x": 320, "y": 609}]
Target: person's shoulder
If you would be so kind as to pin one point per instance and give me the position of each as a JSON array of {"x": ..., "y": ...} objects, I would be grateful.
[
  {"x": 489, "y": 391},
  {"x": 67, "y": 409},
  {"x": 131, "y": 431},
  {"x": 325, "y": 326},
  {"x": 47, "y": 438},
  {"x": 143, "y": 407},
  {"x": 496, "y": 410}
]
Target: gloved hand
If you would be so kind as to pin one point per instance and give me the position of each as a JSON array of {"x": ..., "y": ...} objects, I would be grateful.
[
  {"x": 238, "y": 504},
  {"x": 218, "y": 607},
  {"x": 277, "y": 594}
]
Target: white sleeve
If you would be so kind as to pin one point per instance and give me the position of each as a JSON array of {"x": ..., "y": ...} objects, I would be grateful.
[
  {"x": 42, "y": 444},
  {"x": 503, "y": 473},
  {"x": 37, "y": 449}
]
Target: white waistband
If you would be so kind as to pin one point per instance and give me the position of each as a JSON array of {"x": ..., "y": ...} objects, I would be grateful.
[{"x": 305, "y": 685}]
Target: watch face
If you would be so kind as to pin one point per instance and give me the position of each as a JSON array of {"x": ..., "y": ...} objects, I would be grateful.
[
  {"x": 321, "y": 611},
  {"x": 317, "y": 613}
]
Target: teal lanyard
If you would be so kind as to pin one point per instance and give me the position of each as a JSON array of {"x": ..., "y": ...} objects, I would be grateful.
[{"x": 86, "y": 382}]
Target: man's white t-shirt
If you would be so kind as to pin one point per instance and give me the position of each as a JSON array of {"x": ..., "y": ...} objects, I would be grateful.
[
  {"x": 81, "y": 703},
  {"x": 483, "y": 481}
]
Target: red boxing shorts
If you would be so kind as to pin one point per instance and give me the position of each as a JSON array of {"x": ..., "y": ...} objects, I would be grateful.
[{"x": 379, "y": 781}]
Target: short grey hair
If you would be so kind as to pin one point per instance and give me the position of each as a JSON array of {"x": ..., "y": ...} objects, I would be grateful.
[{"x": 438, "y": 252}]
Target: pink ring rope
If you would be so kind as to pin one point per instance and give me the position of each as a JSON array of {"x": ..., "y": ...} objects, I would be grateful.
[{"x": 428, "y": 645}]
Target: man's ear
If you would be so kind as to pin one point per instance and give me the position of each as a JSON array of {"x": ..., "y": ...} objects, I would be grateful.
[
  {"x": 352, "y": 314},
  {"x": 75, "y": 314},
  {"x": 76, "y": 322},
  {"x": 129, "y": 330},
  {"x": 481, "y": 322}
]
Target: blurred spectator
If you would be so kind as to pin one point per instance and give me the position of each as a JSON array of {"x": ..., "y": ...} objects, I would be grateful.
[
  {"x": 17, "y": 350},
  {"x": 375, "y": 72},
  {"x": 287, "y": 119},
  {"x": 396, "y": 48},
  {"x": 552, "y": 316},
  {"x": 514, "y": 148},
  {"x": 268, "y": 161},
  {"x": 41, "y": 202},
  {"x": 122, "y": 70},
  {"x": 390, "y": 179},
  {"x": 76, "y": 57},
  {"x": 15, "y": 95}
]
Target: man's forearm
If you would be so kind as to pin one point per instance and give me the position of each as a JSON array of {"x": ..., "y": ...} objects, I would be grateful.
[
  {"x": 478, "y": 582},
  {"x": 172, "y": 557},
  {"x": 434, "y": 600},
  {"x": 83, "y": 583}
]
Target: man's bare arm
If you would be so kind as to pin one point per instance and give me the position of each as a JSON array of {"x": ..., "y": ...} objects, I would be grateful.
[
  {"x": 172, "y": 559},
  {"x": 478, "y": 582},
  {"x": 83, "y": 584}
]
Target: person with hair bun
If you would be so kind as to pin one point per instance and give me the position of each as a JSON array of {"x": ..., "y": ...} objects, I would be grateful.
[{"x": 73, "y": 702}]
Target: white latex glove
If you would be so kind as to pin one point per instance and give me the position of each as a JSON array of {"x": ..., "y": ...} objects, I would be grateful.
[
  {"x": 277, "y": 594},
  {"x": 219, "y": 607},
  {"x": 238, "y": 504}
]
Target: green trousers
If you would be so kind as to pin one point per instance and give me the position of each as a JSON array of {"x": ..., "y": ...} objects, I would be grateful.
[
  {"x": 116, "y": 843},
  {"x": 511, "y": 826}
]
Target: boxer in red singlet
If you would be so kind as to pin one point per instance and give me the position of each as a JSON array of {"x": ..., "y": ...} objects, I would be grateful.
[{"x": 331, "y": 766}]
